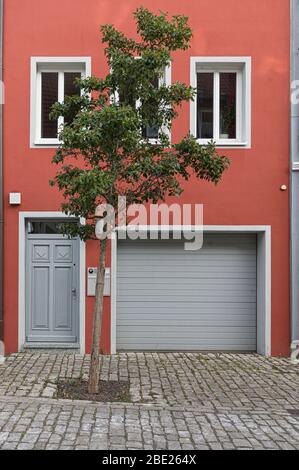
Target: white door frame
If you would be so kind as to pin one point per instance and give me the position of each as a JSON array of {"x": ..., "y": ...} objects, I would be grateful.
[
  {"x": 263, "y": 275},
  {"x": 22, "y": 277}
]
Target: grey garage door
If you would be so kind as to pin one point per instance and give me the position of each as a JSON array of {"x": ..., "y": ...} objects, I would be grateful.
[{"x": 172, "y": 299}]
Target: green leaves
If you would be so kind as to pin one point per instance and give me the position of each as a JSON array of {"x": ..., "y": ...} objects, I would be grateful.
[
  {"x": 157, "y": 31},
  {"x": 103, "y": 154},
  {"x": 203, "y": 160}
]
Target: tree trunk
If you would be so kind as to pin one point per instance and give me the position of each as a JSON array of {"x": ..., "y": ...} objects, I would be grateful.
[{"x": 94, "y": 371}]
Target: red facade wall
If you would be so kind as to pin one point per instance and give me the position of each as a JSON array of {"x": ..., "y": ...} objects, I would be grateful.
[{"x": 250, "y": 191}]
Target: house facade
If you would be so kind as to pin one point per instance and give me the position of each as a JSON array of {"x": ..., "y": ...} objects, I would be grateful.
[{"x": 234, "y": 293}]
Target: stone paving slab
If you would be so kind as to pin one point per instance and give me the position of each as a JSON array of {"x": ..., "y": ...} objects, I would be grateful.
[
  {"x": 55, "y": 424},
  {"x": 213, "y": 380}
]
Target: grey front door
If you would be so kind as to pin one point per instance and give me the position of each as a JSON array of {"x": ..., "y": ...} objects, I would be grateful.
[{"x": 52, "y": 289}]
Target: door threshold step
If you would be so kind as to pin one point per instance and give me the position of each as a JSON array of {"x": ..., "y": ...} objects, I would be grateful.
[{"x": 71, "y": 346}]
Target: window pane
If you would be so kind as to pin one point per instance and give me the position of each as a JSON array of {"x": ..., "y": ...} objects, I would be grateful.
[
  {"x": 49, "y": 97},
  {"x": 228, "y": 96},
  {"x": 205, "y": 105},
  {"x": 45, "y": 227},
  {"x": 151, "y": 132},
  {"x": 71, "y": 89}
]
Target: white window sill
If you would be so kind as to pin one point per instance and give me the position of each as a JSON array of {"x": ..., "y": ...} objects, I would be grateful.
[
  {"x": 47, "y": 143},
  {"x": 225, "y": 143},
  {"x": 154, "y": 141}
]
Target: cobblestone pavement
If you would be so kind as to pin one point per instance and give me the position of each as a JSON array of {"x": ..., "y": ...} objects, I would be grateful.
[
  {"x": 179, "y": 401},
  {"x": 164, "y": 378},
  {"x": 49, "y": 424}
]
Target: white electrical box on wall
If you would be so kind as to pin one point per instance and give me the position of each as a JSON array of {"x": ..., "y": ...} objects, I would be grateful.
[
  {"x": 14, "y": 199},
  {"x": 92, "y": 278}
]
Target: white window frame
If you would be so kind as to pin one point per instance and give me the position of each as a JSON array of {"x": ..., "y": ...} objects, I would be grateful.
[
  {"x": 164, "y": 80},
  {"x": 242, "y": 67},
  {"x": 51, "y": 64}
]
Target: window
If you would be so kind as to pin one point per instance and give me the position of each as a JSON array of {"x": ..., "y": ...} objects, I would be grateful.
[
  {"x": 150, "y": 132},
  {"x": 52, "y": 79},
  {"x": 47, "y": 227},
  {"x": 221, "y": 111}
]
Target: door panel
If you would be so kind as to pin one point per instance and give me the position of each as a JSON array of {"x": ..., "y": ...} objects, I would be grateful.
[
  {"x": 41, "y": 253},
  {"x": 62, "y": 297},
  {"x": 63, "y": 253},
  {"x": 40, "y": 297},
  {"x": 52, "y": 280}
]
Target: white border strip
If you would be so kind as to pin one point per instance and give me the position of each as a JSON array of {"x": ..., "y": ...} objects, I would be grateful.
[
  {"x": 268, "y": 291},
  {"x": 22, "y": 276}
]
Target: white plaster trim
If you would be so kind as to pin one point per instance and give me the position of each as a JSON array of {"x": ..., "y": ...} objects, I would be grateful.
[
  {"x": 113, "y": 277},
  {"x": 295, "y": 352},
  {"x": 22, "y": 276},
  {"x": 263, "y": 266}
]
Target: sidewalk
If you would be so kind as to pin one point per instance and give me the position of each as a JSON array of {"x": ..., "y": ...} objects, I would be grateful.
[{"x": 179, "y": 401}]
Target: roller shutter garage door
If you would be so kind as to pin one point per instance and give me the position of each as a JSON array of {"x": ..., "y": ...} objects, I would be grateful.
[{"x": 172, "y": 299}]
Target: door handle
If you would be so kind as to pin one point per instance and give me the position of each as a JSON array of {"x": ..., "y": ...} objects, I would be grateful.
[{"x": 74, "y": 291}]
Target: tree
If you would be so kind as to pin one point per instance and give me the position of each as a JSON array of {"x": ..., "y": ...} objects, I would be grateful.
[{"x": 105, "y": 151}]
